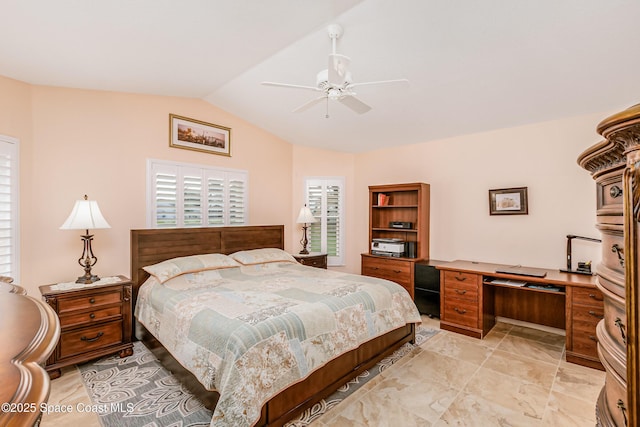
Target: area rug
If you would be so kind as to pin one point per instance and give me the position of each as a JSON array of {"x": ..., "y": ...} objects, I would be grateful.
[{"x": 138, "y": 391}]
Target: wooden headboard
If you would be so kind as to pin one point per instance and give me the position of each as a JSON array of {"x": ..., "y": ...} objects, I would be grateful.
[{"x": 151, "y": 246}]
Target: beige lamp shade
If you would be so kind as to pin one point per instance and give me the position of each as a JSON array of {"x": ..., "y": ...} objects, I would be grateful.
[
  {"x": 305, "y": 216},
  {"x": 85, "y": 215}
]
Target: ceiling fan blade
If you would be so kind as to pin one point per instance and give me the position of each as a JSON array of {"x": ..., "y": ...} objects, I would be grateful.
[
  {"x": 290, "y": 86},
  {"x": 338, "y": 68},
  {"x": 381, "y": 82},
  {"x": 307, "y": 105},
  {"x": 355, "y": 104}
]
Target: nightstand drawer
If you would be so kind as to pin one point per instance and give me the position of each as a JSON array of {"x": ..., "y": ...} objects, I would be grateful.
[
  {"x": 99, "y": 314},
  {"x": 87, "y": 339},
  {"x": 88, "y": 301},
  {"x": 312, "y": 260}
]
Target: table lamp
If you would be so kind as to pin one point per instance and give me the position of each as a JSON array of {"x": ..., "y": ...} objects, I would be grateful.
[
  {"x": 86, "y": 215},
  {"x": 305, "y": 217}
]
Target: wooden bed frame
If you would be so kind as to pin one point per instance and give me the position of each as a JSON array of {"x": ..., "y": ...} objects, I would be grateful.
[{"x": 151, "y": 246}]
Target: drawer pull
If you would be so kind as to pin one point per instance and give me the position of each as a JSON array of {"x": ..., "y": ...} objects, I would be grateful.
[
  {"x": 459, "y": 310},
  {"x": 397, "y": 271},
  {"x": 461, "y": 291},
  {"x": 594, "y": 314},
  {"x": 92, "y": 300},
  {"x": 96, "y": 338},
  {"x": 460, "y": 279},
  {"x": 622, "y": 408},
  {"x": 621, "y": 326},
  {"x": 595, "y": 297},
  {"x": 92, "y": 316},
  {"x": 620, "y": 252},
  {"x": 592, "y": 338},
  {"x": 615, "y": 191}
]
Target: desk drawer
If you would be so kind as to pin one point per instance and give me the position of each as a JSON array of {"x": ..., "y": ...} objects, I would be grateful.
[
  {"x": 587, "y": 296},
  {"x": 460, "y": 291},
  {"x": 461, "y": 312},
  {"x": 459, "y": 277}
]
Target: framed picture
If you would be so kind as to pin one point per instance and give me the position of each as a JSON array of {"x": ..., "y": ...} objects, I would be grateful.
[
  {"x": 508, "y": 201},
  {"x": 199, "y": 136}
]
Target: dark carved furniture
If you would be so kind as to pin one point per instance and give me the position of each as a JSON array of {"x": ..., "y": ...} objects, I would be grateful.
[
  {"x": 312, "y": 260},
  {"x": 392, "y": 208},
  {"x": 473, "y": 295},
  {"x": 152, "y": 246},
  {"x": 614, "y": 164},
  {"x": 95, "y": 321},
  {"x": 29, "y": 333}
]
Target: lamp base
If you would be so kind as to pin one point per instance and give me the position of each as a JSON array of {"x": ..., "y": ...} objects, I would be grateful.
[
  {"x": 304, "y": 252},
  {"x": 585, "y": 272},
  {"x": 92, "y": 278}
]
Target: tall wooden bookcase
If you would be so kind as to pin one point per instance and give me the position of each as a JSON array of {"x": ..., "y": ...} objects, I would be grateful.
[{"x": 398, "y": 203}]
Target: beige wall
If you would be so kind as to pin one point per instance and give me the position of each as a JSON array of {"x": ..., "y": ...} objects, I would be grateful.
[
  {"x": 97, "y": 143},
  {"x": 77, "y": 141},
  {"x": 461, "y": 170},
  {"x": 310, "y": 162}
]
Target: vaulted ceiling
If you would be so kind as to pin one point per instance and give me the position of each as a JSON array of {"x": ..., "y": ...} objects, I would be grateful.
[{"x": 472, "y": 65}]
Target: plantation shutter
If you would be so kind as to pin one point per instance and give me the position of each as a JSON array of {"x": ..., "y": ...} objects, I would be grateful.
[
  {"x": 325, "y": 198},
  {"x": 183, "y": 195},
  {"x": 9, "y": 252}
]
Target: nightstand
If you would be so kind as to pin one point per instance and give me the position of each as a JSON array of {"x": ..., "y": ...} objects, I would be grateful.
[
  {"x": 313, "y": 259},
  {"x": 95, "y": 320}
]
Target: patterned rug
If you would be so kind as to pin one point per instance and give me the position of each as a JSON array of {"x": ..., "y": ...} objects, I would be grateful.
[{"x": 138, "y": 391}]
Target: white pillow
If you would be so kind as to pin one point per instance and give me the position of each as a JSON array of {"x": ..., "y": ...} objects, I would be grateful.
[
  {"x": 262, "y": 256},
  {"x": 171, "y": 268}
]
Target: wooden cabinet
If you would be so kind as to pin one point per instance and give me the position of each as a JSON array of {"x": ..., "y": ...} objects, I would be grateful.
[
  {"x": 585, "y": 309},
  {"x": 95, "y": 320},
  {"x": 397, "y": 270},
  {"x": 473, "y": 294},
  {"x": 614, "y": 164},
  {"x": 312, "y": 260},
  {"x": 29, "y": 333},
  {"x": 399, "y": 212}
]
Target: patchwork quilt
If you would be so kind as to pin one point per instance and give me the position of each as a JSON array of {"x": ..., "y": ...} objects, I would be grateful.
[{"x": 251, "y": 331}]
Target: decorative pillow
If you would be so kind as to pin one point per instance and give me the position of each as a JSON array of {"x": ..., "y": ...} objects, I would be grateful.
[
  {"x": 261, "y": 256},
  {"x": 170, "y": 268}
]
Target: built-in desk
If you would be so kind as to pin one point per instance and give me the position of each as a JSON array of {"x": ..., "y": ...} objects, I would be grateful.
[{"x": 473, "y": 294}]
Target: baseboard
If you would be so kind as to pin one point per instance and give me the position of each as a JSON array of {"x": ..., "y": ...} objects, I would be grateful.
[{"x": 531, "y": 325}]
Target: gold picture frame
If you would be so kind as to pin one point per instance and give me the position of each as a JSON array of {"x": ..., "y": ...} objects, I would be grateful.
[
  {"x": 191, "y": 134},
  {"x": 508, "y": 201}
]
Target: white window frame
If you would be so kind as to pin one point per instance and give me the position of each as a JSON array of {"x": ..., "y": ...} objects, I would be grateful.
[
  {"x": 205, "y": 171},
  {"x": 324, "y": 181},
  {"x": 11, "y": 146}
]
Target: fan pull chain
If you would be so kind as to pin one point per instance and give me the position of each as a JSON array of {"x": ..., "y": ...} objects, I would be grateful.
[{"x": 326, "y": 116}]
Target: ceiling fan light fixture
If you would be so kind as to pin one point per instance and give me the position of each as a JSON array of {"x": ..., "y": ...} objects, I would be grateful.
[{"x": 334, "y": 94}]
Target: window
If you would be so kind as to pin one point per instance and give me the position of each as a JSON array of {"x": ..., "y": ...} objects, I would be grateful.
[
  {"x": 9, "y": 215},
  {"x": 189, "y": 195},
  {"x": 325, "y": 196}
]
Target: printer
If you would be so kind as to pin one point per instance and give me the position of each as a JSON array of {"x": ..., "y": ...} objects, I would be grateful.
[{"x": 388, "y": 247}]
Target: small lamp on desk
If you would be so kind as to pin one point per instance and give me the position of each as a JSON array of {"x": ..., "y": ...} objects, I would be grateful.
[
  {"x": 305, "y": 217},
  {"x": 583, "y": 267},
  {"x": 86, "y": 215}
]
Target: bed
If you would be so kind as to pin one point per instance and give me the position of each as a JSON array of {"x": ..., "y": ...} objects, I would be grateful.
[{"x": 285, "y": 396}]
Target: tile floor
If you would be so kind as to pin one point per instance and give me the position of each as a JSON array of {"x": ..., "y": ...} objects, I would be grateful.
[{"x": 516, "y": 376}]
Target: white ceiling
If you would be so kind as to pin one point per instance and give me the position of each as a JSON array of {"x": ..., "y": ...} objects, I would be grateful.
[{"x": 472, "y": 65}]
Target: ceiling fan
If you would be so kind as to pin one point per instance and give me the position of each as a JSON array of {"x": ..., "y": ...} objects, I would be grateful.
[{"x": 335, "y": 82}]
